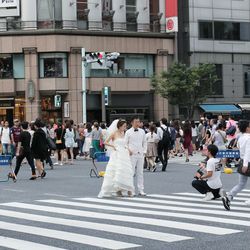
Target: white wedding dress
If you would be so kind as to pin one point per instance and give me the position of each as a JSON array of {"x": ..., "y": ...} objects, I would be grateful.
[{"x": 119, "y": 172}]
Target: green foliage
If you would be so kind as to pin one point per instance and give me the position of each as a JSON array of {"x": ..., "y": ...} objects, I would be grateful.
[{"x": 185, "y": 86}]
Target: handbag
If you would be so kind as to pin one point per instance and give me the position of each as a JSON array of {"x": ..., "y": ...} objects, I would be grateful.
[
  {"x": 51, "y": 143},
  {"x": 240, "y": 169},
  {"x": 59, "y": 141}
]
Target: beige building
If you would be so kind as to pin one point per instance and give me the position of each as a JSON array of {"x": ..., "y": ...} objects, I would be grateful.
[{"x": 40, "y": 57}]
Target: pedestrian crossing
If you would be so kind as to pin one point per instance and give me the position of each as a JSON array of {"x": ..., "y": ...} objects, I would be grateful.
[{"x": 119, "y": 223}]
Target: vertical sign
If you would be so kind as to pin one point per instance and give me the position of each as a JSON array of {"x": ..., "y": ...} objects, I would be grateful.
[
  {"x": 66, "y": 110},
  {"x": 171, "y": 16}
]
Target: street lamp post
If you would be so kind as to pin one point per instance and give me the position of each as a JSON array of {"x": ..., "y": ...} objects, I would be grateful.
[{"x": 84, "y": 89}]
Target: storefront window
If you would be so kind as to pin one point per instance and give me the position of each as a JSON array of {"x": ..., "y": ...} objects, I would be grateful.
[
  {"x": 50, "y": 113},
  {"x": 6, "y": 66},
  {"x": 246, "y": 69},
  {"x": 53, "y": 65}
]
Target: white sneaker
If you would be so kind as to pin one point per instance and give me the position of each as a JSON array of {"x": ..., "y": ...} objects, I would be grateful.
[
  {"x": 247, "y": 202},
  {"x": 209, "y": 196},
  {"x": 56, "y": 163},
  {"x": 142, "y": 194}
]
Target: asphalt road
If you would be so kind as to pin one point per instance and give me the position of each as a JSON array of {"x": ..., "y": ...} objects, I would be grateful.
[{"x": 62, "y": 212}]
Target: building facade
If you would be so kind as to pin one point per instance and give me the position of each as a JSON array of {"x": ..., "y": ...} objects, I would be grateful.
[
  {"x": 219, "y": 32},
  {"x": 40, "y": 57}
]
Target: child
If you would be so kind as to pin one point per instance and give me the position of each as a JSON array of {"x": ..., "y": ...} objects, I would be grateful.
[
  {"x": 152, "y": 141},
  {"x": 210, "y": 182}
]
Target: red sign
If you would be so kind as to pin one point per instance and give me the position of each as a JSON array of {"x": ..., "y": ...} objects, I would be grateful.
[{"x": 171, "y": 16}]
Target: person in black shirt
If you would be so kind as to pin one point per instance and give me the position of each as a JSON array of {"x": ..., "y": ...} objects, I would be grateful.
[{"x": 24, "y": 151}]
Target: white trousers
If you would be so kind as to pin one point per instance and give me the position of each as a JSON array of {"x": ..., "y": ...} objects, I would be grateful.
[{"x": 137, "y": 164}]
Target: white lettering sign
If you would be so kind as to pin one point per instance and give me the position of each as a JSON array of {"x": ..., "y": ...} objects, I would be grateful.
[{"x": 8, "y": 3}]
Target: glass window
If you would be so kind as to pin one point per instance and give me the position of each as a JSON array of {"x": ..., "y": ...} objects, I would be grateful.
[
  {"x": 135, "y": 66},
  {"x": 246, "y": 69},
  {"x": 18, "y": 66},
  {"x": 53, "y": 65},
  {"x": 6, "y": 66},
  {"x": 227, "y": 31},
  {"x": 82, "y": 6},
  {"x": 131, "y": 15},
  {"x": 206, "y": 30},
  {"x": 217, "y": 87},
  {"x": 245, "y": 31}
]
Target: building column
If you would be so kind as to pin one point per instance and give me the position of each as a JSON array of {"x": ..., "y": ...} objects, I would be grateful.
[
  {"x": 75, "y": 88},
  {"x": 119, "y": 18},
  {"x": 33, "y": 105},
  {"x": 3, "y": 24},
  {"x": 162, "y": 9},
  {"x": 29, "y": 14},
  {"x": 143, "y": 19},
  {"x": 161, "y": 106},
  {"x": 69, "y": 14},
  {"x": 95, "y": 14}
]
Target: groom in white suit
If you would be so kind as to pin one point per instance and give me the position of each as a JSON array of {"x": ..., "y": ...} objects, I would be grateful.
[{"x": 137, "y": 146}]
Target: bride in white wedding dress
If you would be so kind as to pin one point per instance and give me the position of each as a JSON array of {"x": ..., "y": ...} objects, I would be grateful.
[{"x": 118, "y": 176}]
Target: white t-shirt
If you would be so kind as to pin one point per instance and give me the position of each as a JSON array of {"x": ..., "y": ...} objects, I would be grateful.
[
  {"x": 5, "y": 138},
  {"x": 214, "y": 181},
  {"x": 219, "y": 137}
]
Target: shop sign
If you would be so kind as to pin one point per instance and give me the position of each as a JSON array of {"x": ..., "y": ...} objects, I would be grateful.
[
  {"x": 66, "y": 109},
  {"x": 8, "y": 3},
  {"x": 7, "y": 103},
  {"x": 171, "y": 16}
]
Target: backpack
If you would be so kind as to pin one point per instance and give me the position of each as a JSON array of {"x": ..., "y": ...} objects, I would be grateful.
[
  {"x": 172, "y": 135},
  {"x": 166, "y": 138},
  {"x": 231, "y": 130}
]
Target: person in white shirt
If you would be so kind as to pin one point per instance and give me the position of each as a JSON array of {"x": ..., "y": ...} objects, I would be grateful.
[
  {"x": 152, "y": 142},
  {"x": 135, "y": 140},
  {"x": 6, "y": 139},
  {"x": 210, "y": 182},
  {"x": 244, "y": 147}
]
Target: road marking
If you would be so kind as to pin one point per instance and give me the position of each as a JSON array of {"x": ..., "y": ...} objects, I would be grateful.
[
  {"x": 179, "y": 197},
  {"x": 165, "y": 202},
  {"x": 156, "y": 222},
  {"x": 12, "y": 243},
  {"x": 173, "y": 208},
  {"x": 190, "y": 216},
  {"x": 58, "y": 195},
  {"x": 141, "y": 233},
  {"x": 73, "y": 237},
  {"x": 14, "y": 190},
  {"x": 200, "y": 195}
]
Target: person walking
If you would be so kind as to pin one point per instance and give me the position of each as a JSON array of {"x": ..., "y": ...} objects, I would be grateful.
[
  {"x": 194, "y": 136},
  {"x": 23, "y": 150},
  {"x": 152, "y": 143},
  {"x": 187, "y": 139},
  {"x": 88, "y": 140},
  {"x": 136, "y": 143},
  {"x": 6, "y": 138},
  {"x": 96, "y": 137},
  {"x": 164, "y": 135},
  {"x": 244, "y": 147},
  {"x": 15, "y": 134},
  {"x": 39, "y": 147},
  {"x": 81, "y": 139},
  {"x": 69, "y": 140},
  {"x": 60, "y": 144}
]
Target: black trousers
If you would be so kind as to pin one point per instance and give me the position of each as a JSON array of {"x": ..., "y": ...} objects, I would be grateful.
[
  {"x": 30, "y": 160},
  {"x": 202, "y": 187},
  {"x": 163, "y": 155}
]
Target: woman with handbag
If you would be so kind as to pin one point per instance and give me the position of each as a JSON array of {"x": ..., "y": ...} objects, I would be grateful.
[
  {"x": 70, "y": 140},
  {"x": 244, "y": 168}
]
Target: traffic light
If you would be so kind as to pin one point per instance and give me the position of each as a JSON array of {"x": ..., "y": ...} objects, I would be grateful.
[
  {"x": 96, "y": 57},
  {"x": 58, "y": 101}
]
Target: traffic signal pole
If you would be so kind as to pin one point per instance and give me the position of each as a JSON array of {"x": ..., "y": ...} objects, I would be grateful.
[{"x": 84, "y": 89}]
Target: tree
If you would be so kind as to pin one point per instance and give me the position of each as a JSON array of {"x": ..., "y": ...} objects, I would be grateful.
[{"x": 186, "y": 86}]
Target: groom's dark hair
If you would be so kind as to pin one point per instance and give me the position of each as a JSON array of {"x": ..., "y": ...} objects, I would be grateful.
[{"x": 135, "y": 117}]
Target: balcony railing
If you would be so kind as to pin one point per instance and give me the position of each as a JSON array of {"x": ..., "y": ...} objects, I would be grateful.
[{"x": 12, "y": 25}]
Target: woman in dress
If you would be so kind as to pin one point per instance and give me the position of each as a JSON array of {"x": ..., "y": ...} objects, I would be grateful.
[
  {"x": 88, "y": 140},
  {"x": 118, "y": 177},
  {"x": 60, "y": 144},
  {"x": 70, "y": 140}
]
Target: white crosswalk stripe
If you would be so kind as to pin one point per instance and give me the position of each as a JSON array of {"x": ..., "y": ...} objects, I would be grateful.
[{"x": 157, "y": 213}]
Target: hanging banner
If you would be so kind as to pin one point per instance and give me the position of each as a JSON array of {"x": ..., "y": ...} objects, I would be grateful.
[{"x": 171, "y": 16}]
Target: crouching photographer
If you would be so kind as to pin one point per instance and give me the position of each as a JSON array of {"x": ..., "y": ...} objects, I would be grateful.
[{"x": 208, "y": 179}]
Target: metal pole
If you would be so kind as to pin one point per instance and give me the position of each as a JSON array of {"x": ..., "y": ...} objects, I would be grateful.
[
  {"x": 176, "y": 47},
  {"x": 84, "y": 89},
  {"x": 103, "y": 107}
]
